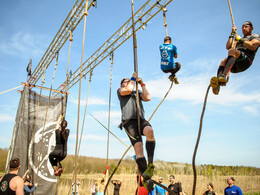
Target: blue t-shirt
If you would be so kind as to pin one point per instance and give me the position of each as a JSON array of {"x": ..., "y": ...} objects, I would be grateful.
[
  {"x": 160, "y": 190},
  {"x": 152, "y": 192},
  {"x": 168, "y": 51},
  {"x": 233, "y": 190}
]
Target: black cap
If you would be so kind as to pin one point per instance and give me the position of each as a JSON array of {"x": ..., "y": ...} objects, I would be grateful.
[{"x": 248, "y": 23}]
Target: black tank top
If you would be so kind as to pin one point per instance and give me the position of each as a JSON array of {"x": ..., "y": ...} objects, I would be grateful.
[{"x": 4, "y": 185}]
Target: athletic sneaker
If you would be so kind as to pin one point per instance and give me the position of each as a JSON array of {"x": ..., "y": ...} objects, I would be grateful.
[
  {"x": 214, "y": 85},
  {"x": 148, "y": 173},
  {"x": 148, "y": 184},
  {"x": 171, "y": 77},
  {"x": 222, "y": 81},
  {"x": 175, "y": 80}
]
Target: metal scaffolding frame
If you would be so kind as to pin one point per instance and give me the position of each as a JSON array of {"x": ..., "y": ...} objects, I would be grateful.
[
  {"x": 141, "y": 18},
  {"x": 69, "y": 25}
]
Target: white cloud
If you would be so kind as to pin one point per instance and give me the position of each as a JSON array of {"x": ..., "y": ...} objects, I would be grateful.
[
  {"x": 6, "y": 118},
  {"x": 24, "y": 44},
  {"x": 193, "y": 88},
  {"x": 251, "y": 109},
  {"x": 181, "y": 116},
  {"x": 91, "y": 101}
]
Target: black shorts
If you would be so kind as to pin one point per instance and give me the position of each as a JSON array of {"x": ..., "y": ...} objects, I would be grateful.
[
  {"x": 175, "y": 69},
  {"x": 241, "y": 64},
  {"x": 131, "y": 127}
]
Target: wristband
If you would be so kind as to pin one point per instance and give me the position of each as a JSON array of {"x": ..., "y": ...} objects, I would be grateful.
[
  {"x": 142, "y": 85},
  {"x": 133, "y": 79}
]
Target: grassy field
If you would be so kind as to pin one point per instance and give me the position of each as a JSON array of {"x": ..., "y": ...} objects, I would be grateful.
[
  {"x": 250, "y": 185},
  {"x": 247, "y": 178}
]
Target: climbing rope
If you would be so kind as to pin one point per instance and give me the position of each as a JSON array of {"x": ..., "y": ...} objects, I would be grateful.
[
  {"x": 136, "y": 68},
  {"x": 109, "y": 107},
  {"x": 67, "y": 72},
  {"x": 45, "y": 118},
  {"x": 81, "y": 66},
  {"x": 85, "y": 111},
  {"x": 231, "y": 13},
  {"x": 119, "y": 162},
  {"x": 164, "y": 18},
  {"x": 197, "y": 143}
]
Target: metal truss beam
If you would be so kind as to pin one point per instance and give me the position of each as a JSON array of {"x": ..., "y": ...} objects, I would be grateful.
[
  {"x": 141, "y": 19},
  {"x": 70, "y": 23}
]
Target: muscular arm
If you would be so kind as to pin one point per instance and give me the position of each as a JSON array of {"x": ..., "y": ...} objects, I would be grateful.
[
  {"x": 19, "y": 186},
  {"x": 230, "y": 43},
  {"x": 145, "y": 95},
  {"x": 128, "y": 89},
  {"x": 252, "y": 45}
]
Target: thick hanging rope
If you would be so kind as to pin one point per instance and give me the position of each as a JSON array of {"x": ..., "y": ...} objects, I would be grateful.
[
  {"x": 85, "y": 111},
  {"x": 136, "y": 67},
  {"x": 81, "y": 66},
  {"x": 197, "y": 143},
  {"x": 11, "y": 89},
  {"x": 231, "y": 13},
  {"x": 45, "y": 118},
  {"x": 165, "y": 22},
  {"x": 67, "y": 72},
  {"x": 109, "y": 107}
]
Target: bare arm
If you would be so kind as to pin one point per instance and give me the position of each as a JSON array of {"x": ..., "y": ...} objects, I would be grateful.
[
  {"x": 252, "y": 45},
  {"x": 231, "y": 41},
  {"x": 25, "y": 174},
  {"x": 58, "y": 122},
  {"x": 19, "y": 186},
  {"x": 129, "y": 88},
  {"x": 145, "y": 95}
]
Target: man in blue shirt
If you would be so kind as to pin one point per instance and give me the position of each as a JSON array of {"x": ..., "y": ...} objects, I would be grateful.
[
  {"x": 168, "y": 53},
  {"x": 158, "y": 189},
  {"x": 232, "y": 189}
]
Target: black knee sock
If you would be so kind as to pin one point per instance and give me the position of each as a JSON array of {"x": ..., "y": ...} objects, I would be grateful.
[
  {"x": 229, "y": 63},
  {"x": 142, "y": 165},
  {"x": 150, "y": 146},
  {"x": 220, "y": 70}
]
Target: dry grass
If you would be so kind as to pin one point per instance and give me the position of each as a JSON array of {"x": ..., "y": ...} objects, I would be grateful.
[{"x": 246, "y": 183}]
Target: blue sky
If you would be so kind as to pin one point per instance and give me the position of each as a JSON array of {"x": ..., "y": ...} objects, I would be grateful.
[{"x": 199, "y": 29}]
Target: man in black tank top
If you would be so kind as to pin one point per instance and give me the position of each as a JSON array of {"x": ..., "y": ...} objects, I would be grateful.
[
  {"x": 60, "y": 150},
  {"x": 239, "y": 58},
  {"x": 11, "y": 183}
]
